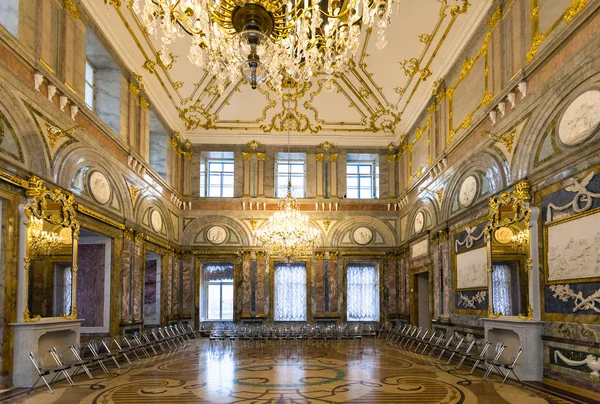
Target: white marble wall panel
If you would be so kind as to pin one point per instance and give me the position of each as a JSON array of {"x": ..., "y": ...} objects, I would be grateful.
[
  {"x": 108, "y": 97},
  {"x": 9, "y": 16}
]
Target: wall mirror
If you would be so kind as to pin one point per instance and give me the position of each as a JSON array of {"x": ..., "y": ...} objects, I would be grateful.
[
  {"x": 509, "y": 263},
  {"x": 51, "y": 253}
]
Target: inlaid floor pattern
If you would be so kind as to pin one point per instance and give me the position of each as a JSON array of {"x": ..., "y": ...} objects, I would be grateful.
[{"x": 372, "y": 372}]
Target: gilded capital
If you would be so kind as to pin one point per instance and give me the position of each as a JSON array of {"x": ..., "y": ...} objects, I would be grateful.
[
  {"x": 392, "y": 157},
  {"x": 247, "y": 156},
  {"x": 333, "y": 157},
  {"x": 261, "y": 156},
  {"x": 319, "y": 156}
]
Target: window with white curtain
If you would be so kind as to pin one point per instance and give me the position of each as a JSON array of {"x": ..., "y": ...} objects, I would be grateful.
[
  {"x": 362, "y": 281},
  {"x": 501, "y": 296},
  {"x": 218, "y": 291},
  {"x": 290, "y": 291}
]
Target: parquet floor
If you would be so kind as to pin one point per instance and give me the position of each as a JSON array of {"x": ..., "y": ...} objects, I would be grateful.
[{"x": 290, "y": 373}]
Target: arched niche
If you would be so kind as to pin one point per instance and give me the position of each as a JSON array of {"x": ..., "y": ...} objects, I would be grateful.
[
  {"x": 482, "y": 175},
  {"x": 151, "y": 213},
  {"x": 87, "y": 174},
  {"x": 351, "y": 233},
  {"x": 425, "y": 211},
  {"x": 216, "y": 230}
]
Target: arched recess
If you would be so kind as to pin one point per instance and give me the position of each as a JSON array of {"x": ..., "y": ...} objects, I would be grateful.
[
  {"x": 26, "y": 135},
  {"x": 492, "y": 174},
  {"x": 148, "y": 209},
  {"x": 430, "y": 214},
  {"x": 574, "y": 81},
  {"x": 75, "y": 172},
  {"x": 341, "y": 233},
  {"x": 236, "y": 232}
]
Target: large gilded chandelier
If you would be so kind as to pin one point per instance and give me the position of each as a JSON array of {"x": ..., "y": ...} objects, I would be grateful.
[{"x": 266, "y": 39}]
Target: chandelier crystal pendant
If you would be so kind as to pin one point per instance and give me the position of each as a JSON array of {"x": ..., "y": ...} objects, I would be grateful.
[
  {"x": 267, "y": 39},
  {"x": 288, "y": 233}
]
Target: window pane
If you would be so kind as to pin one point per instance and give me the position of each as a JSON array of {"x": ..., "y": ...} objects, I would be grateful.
[
  {"x": 365, "y": 194},
  {"x": 214, "y": 192},
  {"x": 214, "y": 179},
  {"x": 297, "y": 168},
  {"x": 214, "y": 301},
  {"x": 227, "y": 179},
  {"x": 352, "y": 169},
  {"x": 227, "y": 192},
  {"x": 89, "y": 96},
  {"x": 352, "y": 193},
  {"x": 89, "y": 73},
  {"x": 352, "y": 182},
  {"x": 365, "y": 169},
  {"x": 228, "y": 167},
  {"x": 227, "y": 307}
]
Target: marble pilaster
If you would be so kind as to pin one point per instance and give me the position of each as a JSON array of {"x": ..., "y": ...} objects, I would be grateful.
[
  {"x": 261, "y": 175},
  {"x": 261, "y": 277},
  {"x": 391, "y": 170},
  {"x": 446, "y": 275},
  {"x": 391, "y": 283},
  {"x": 319, "y": 298},
  {"x": 246, "y": 293},
  {"x": 126, "y": 296},
  {"x": 187, "y": 286},
  {"x": 167, "y": 283},
  {"x": 176, "y": 286},
  {"x": 333, "y": 189},
  {"x": 319, "y": 157},
  {"x": 335, "y": 279},
  {"x": 137, "y": 276},
  {"x": 247, "y": 177},
  {"x": 73, "y": 53}
]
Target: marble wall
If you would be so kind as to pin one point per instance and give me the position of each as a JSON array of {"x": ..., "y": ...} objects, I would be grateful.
[
  {"x": 90, "y": 284},
  {"x": 108, "y": 94},
  {"x": 151, "y": 316},
  {"x": 9, "y": 16},
  {"x": 159, "y": 144}
]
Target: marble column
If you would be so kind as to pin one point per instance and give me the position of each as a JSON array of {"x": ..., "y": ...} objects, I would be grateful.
[
  {"x": 333, "y": 175},
  {"x": 446, "y": 274},
  {"x": 126, "y": 296},
  {"x": 319, "y": 296},
  {"x": 187, "y": 175},
  {"x": 435, "y": 274},
  {"x": 176, "y": 282},
  {"x": 144, "y": 130},
  {"x": 247, "y": 157},
  {"x": 261, "y": 174},
  {"x": 261, "y": 283},
  {"x": 187, "y": 286},
  {"x": 319, "y": 157},
  {"x": 246, "y": 284},
  {"x": 391, "y": 285},
  {"x": 391, "y": 176},
  {"x": 167, "y": 287},
  {"x": 137, "y": 276},
  {"x": 335, "y": 280}
]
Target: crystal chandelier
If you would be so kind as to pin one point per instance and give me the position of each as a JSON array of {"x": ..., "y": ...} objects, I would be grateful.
[
  {"x": 42, "y": 242},
  {"x": 266, "y": 39},
  {"x": 288, "y": 233}
]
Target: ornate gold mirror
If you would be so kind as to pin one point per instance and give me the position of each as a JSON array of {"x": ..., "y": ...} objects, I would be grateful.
[
  {"x": 51, "y": 253},
  {"x": 509, "y": 263}
]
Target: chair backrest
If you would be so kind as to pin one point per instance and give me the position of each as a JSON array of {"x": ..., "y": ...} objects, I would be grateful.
[{"x": 517, "y": 356}]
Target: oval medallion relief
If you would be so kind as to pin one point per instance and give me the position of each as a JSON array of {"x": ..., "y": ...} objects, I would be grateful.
[
  {"x": 216, "y": 235},
  {"x": 581, "y": 119},
  {"x": 156, "y": 221},
  {"x": 362, "y": 235},
  {"x": 467, "y": 191},
  {"x": 100, "y": 187},
  {"x": 419, "y": 222}
]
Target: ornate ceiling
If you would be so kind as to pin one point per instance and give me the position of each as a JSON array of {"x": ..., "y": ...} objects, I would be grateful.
[{"x": 372, "y": 104}]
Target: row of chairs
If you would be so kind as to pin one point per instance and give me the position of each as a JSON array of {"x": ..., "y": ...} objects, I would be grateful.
[
  {"x": 75, "y": 358},
  {"x": 302, "y": 333},
  {"x": 481, "y": 352}
]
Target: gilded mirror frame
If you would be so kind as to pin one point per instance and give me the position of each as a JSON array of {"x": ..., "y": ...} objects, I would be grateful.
[
  {"x": 65, "y": 216},
  {"x": 518, "y": 201}
]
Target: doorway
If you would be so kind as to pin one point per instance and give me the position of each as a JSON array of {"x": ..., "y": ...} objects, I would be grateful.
[
  {"x": 423, "y": 298},
  {"x": 152, "y": 289}
]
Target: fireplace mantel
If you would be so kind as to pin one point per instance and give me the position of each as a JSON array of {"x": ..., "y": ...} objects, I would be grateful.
[{"x": 514, "y": 332}]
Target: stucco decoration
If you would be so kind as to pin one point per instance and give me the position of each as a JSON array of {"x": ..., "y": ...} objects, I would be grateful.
[
  {"x": 419, "y": 223},
  {"x": 216, "y": 235},
  {"x": 565, "y": 293},
  {"x": 362, "y": 235},
  {"x": 471, "y": 237},
  {"x": 469, "y": 302},
  {"x": 581, "y": 119},
  {"x": 156, "y": 221},
  {"x": 100, "y": 187},
  {"x": 574, "y": 249},
  {"x": 468, "y": 191},
  {"x": 592, "y": 362},
  {"x": 471, "y": 269},
  {"x": 581, "y": 202}
]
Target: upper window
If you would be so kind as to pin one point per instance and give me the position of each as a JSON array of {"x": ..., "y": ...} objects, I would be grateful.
[
  {"x": 363, "y": 292},
  {"x": 362, "y": 176},
  {"x": 9, "y": 16},
  {"x": 90, "y": 85},
  {"x": 290, "y": 291},
  {"x": 218, "y": 291},
  {"x": 291, "y": 167},
  {"x": 216, "y": 174}
]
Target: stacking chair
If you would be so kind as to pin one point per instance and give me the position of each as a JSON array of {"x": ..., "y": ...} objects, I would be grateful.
[
  {"x": 420, "y": 340},
  {"x": 43, "y": 369},
  {"x": 100, "y": 354},
  {"x": 407, "y": 335},
  {"x": 66, "y": 356},
  {"x": 432, "y": 342},
  {"x": 442, "y": 345},
  {"x": 449, "y": 348},
  {"x": 491, "y": 364},
  {"x": 455, "y": 350},
  {"x": 425, "y": 342},
  {"x": 497, "y": 365},
  {"x": 412, "y": 338},
  {"x": 468, "y": 353},
  {"x": 121, "y": 349}
]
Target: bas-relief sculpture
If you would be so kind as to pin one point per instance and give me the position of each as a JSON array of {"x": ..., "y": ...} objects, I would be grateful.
[
  {"x": 362, "y": 235},
  {"x": 581, "y": 119},
  {"x": 156, "y": 221},
  {"x": 574, "y": 249},
  {"x": 216, "y": 235},
  {"x": 419, "y": 249},
  {"x": 100, "y": 188},
  {"x": 471, "y": 269},
  {"x": 467, "y": 191},
  {"x": 565, "y": 293},
  {"x": 419, "y": 222}
]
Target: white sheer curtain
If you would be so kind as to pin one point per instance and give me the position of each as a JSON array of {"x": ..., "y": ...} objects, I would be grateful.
[
  {"x": 363, "y": 292},
  {"x": 501, "y": 289},
  {"x": 290, "y": 292}
]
